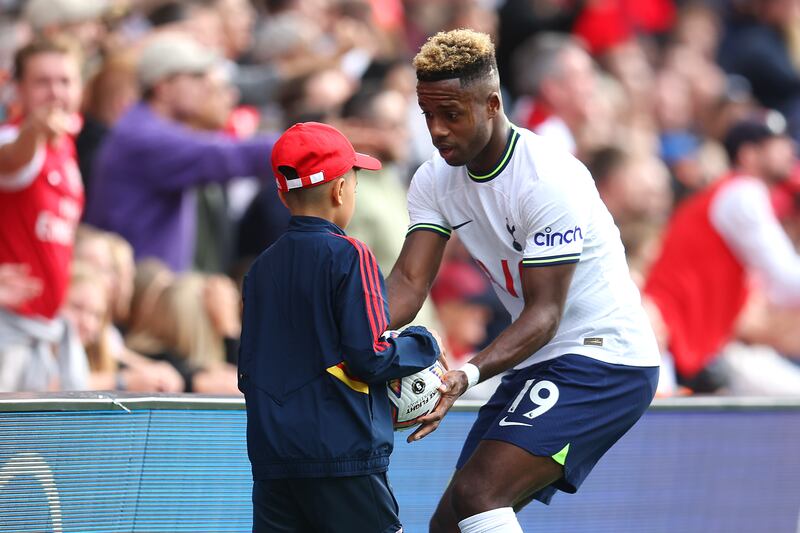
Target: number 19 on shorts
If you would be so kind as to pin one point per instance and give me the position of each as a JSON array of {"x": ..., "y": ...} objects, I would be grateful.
[{"x": 543, "y": 394}]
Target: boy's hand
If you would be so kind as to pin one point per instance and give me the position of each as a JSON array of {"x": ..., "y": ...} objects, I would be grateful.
[{"x": 454, "y": 383}]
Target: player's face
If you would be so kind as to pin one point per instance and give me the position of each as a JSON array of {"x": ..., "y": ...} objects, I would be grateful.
[
  {"x": 50, "y": 80},
  {"x": 457, "y": 119}
]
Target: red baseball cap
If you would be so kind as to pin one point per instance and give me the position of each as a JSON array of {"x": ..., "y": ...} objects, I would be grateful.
[{"x": 318, "y": 153}]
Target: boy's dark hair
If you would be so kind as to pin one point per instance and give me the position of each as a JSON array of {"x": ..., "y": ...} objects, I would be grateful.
[
  {"x": 42, "y": 45},
  {"x": 463, "y": 54}
]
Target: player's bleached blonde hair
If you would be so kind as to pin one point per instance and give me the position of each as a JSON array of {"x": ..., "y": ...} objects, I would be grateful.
[{"x": 464, "y": 54}]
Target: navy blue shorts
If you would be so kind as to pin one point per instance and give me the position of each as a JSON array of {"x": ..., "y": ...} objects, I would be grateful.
[
  {"x": 325, "y": 505},
  {"x": 572, "y": 408}
]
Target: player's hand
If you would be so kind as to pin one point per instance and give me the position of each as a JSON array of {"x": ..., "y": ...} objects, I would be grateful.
[
  {"x": 17, "y": 286},
  {"x": 454, "y": 383}
]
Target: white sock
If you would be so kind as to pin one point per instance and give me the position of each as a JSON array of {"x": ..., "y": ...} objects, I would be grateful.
[{"x": 502, "y": 520}]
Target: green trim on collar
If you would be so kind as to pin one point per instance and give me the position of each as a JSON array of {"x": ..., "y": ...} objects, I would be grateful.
[{"x": 513, "y": 137}]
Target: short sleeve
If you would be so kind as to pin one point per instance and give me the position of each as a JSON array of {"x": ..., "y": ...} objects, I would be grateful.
[
  {"x": 743, "y": 215},
  {"x": 555, "y": 224},
  {"x": 422, "y": 210}
]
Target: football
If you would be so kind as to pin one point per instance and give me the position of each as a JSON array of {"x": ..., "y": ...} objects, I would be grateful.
[{"x": 414, "y": 396}]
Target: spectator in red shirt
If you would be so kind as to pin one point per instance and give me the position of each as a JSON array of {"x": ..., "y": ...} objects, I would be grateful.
[
  {"x": 716, "y": 242},
  {"x": 41, "y": 199}
]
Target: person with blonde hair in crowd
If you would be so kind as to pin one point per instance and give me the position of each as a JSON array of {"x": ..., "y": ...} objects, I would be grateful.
[
  {"x": 137, "y": 373},
  {"x": 196, "y": 331},
  {"x": 111, "y": 260},
  {"x": 152, "y": 277},
  {"x": 124, "y": 270},
  {"x": 111, "y": 366},
  {"x": 86, "y": 309}
]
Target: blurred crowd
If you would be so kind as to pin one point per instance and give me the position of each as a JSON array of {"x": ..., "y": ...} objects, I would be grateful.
[{"x": 135, "y": 186}]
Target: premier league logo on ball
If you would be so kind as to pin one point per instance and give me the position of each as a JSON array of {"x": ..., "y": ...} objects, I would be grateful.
[{"x": 414, "y": 396}]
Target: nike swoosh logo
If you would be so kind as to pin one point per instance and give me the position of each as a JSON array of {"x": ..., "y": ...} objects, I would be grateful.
[
  {"x": 462, "y": 224},
  {"x": 503, "y": 422}
]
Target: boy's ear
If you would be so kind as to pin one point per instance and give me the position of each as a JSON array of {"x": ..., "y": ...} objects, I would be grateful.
[
  {"x": 283, "y": 199},
  {"x": 337, "y": 191}
]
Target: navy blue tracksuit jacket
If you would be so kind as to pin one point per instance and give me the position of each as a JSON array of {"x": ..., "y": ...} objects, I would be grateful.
[{"x": 312, "y": 364}]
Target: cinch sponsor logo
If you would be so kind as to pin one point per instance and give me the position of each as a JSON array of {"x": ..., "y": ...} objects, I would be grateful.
[{"x": 550, "y": 238}]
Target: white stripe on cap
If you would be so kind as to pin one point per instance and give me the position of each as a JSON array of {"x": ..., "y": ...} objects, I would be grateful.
[
  {"x": 317, "y": 177},
  {"x": 296, "y": 183}
]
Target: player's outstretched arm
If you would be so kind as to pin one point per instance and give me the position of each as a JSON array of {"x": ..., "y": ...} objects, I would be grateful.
[
  {"x": 545, "y": 292},
  {"x": 413, "y": 273}
]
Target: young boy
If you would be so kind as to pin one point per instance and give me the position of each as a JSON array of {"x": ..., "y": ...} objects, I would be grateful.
[{"x": 313, "y": 363}]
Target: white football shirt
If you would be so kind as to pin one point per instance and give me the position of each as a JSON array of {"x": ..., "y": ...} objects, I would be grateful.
[{"x": 539, "y": 207}]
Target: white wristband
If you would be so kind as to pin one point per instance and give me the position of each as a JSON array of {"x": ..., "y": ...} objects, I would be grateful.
[{"x": 473, "y": 374}]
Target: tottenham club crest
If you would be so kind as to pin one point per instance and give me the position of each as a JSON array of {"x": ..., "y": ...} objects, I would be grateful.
[
  {"x": 511, "y": 230},
  {"x": 418, "y": 386}
]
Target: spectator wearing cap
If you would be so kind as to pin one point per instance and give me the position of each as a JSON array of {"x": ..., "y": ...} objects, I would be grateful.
[
  {"x": 148, "y": 167},
  {"x": 715, "y": 242}
]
